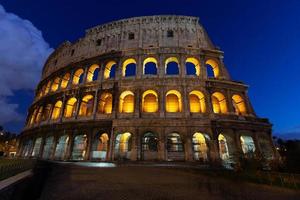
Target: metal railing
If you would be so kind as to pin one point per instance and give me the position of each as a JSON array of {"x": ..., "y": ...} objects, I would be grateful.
[{"x": 11, "y": 167}]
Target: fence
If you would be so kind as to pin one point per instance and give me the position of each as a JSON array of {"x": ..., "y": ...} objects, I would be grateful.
[{"x": 11, "y": 167}]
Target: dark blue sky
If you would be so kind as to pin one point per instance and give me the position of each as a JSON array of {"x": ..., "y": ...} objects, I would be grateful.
[{"x": 261, "y": 41}]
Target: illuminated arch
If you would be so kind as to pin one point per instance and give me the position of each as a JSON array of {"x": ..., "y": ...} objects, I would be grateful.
[
  {"x": 219, "y": 103},
  {"x": 100, "y": 146},
  {"x": 56, "y": 110},
  {"x": 55, "y": 84},
  {"x": 47, "y": 88},
  {"x": 33, "y": 116},
  {"x": 150, "y": 66},
  {"x": 123, "y": 142},
  {"x": 192, "y": 66},
  {"x": 197, "y": 102},
  {"x": 79, "y": 147},
  {"x": 70, "y": 108},
  {"x": 126, "y": 103},
  {"x": 78, "y": 77},
  {"x": 150, "y": 101},
  {"x": 46, "y": 112},
  {"x": 129, "y": 67},
  {"x": 215, "y": 67},
  {"x": 200, "y": 146},
  {"x": 105, "y": 103},
  {"x": 172, "y": 66},
  {"x": 223, "y": 148},
  {"x": 92, "y": 74},
  {"x": 39, "y": 115},
  {"x": 110, "y": 69},
  {"x": 239, "y": 104},
  {"x": 86, "y": 106},
  {"x": 247, "y": 143},
  {"x": 150, "y": 142},
  {"x": 174, "y": 143},
  {"x": 65, "y": 81},
  {"x": 173, "y": 101}
]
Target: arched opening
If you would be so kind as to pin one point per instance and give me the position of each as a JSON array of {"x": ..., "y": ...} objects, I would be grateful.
[
  {"x": 39, "y": 115},
  {"x": 110, "y": 70},
  {"x": 47, "y": 88},
  {"x": 100, "y": 146},
  {"x": 65, "y": 81},
  {"x": 266, "y": 147},
  {"x": 223, "y": 148},
  {"x": 33, "y": 116},
  {"x": 212, "y": 68},
  {"x": 93, "y": 72},
  {"x": 105, "y": 103},
  {"x": 26, "y": 148},
  {"x": 70, "y": 108},
  {"x": 197, "y": 102},
  {"x": 56, "y": 110},
  {"x": 192, "y": 66},
  {"x": 175, "y": 147},
  {"x": 48, "y": 148},
  {"x": 46, "y": 112},
  {"x": 150, "y": 66},
  {"x": 239, "y": 105},
  {"x": 55, "y": 84},
  {"x": 248, "y": 146},
  {"x": 172, "y": 66},
  {"x": 150, "y": 101},
  {"x": 78, "y": 77},
  {"x": 149, "y": 146},
  {"x": 36, "y": 147},
  {"x": 61, "y": 147},
  {"x": 126, "y": 103},
  {"x": 173, "y": 101},
  {"x": 79, "y": 147},
  {"x": 200, "y": 147},
  {"x": 86, "y": 106},
  {"x": 123, "y": 146},
  {"x": 219, "y": 103},
  {"x": 129, "y": 67}
]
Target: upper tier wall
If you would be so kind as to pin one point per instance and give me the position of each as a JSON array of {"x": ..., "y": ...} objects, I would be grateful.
[{"x": 149, "y": 32}]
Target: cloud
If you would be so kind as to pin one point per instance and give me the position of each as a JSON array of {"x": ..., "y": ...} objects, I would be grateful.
[{"x": 23, "y": 52}]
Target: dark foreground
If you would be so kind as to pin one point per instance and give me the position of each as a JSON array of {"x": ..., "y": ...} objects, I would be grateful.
[{"x": 145, "y": 182}]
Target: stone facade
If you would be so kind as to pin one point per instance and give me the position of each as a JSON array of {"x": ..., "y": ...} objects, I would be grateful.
[{"x": 139, "y": 38}]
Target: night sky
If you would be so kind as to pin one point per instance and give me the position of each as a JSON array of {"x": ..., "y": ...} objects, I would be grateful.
[{"x": 260, "y": 38}]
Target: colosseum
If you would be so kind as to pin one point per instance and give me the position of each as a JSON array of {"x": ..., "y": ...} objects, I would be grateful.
[{"x": 144, "y": 88}]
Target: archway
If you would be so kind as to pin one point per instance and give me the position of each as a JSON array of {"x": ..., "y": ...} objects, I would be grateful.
[
  {"x": 56, "y": 110},
  {"x": 192, "y": 66},
  {"x": 93, "y": 73},
  {"x": 223, "y": 148},
  {"x": 123, "y": 144},
  {"x": 248, "y": 146},
  {"x": 239, "y": 105},
  {"x": 79, "y": 147},
  {"x": 105, "y": 103},
  {"x": 175, "y": 150},
  {"x": 150, "y": 101},
  {"x": 110, "y": 70},
  {"x": 55, "y": 84},
  {"x": 200, "y": 147},
  {"x": 126, "y": 102},
  {"x": 173, "y": 101},
  {"x": 197, "y": 102},
  {"x": 70, "y": 108},
  {"x": 150, "y": 66},
  {"x": 48, "y": 147},
  {"x": 78, "y": 77},
  {"x": 86, "y": 106},
  {"x": 219, "y": 103},
  {"x": 149, "y": 146},
  {"x": 36, "y": 147},
  {"x": 65, "y": 81},
  {"x": 172, "y": 66},
  {"x": 61, "y": 147},
  {"x": 129, "y": 67},
  {"x": 100, "y": 146},
  {"x": 212, "y": 68}
]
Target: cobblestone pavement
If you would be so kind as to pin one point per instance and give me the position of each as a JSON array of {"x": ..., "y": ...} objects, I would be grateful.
[{"x": 156, "y": 183}]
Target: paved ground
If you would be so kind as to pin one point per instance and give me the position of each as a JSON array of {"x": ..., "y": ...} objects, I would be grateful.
[{"x": 157, "y": 183}]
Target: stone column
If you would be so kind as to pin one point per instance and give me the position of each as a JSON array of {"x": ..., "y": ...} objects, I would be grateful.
[
  {"x": 137, "y": 103},
  {"x": 133, "y": 155},
  {"x": 88, "y": 145},
  {"x": 258, "y": 151},
  {"x": 188, "y": 148},
  {"x": 230, "y": 107},
  {"x": 70, "y": 146},
  {"x": 203, "y": 71},
  {"x": 95, "y": 104},
  {"x": 162, "y": 102},
  {"x": 139, "y": 68},
  {"x": 161, "y": 146},
  {"x": 110, "y": 152},
  {"x": 40, "y": 155},
  {"x": 182, "y": 70},
  {"x": 161, "y": 67},
  {"x": 186, "y": 109},
  {"x": 78, "y": 106}
]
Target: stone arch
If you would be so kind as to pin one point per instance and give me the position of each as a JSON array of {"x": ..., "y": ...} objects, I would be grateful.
[
  {"x": 48, "y": 147},
  {"x": 219, "y": 103},
  {"x": 61, "y": 147},
  {"x": 149, "y": 146},
  {"x": 78, "y": 77},
  {"x": 36, "y": 147},
  {"x": 122, "y": 145},
  {"x": 150, "y": 101},
  {"x": 105, "y": 103},
  {"x": 200, "y": 146},
  {"x": 239, "y": 105},
  {"x": 100, "y": 146},
  {"x": 39, "y": 114},
  {"x": 65, "y": 80},
  {"x": 86, "y": 105},
  {"x": 55, "y": 84},
  {"x": 93, "y": 73},
  {"x": 175, "y": 147},
  {"x": 197, "y": 102},
  {"x": 223, "y": 147},
  {"x": 192, "y": 66},
  {"x": 110, "y": 70},
  {"x": 56, "y": 110},
  {"x": 126, "y": 102},
  {"x": 173, "y": 101},
  {"x": 172, "y": 66},
  {"x": 212, "y": 64},
  {"x": 79, "y": 147},
  {"x": 46, "y": 112},
  {"x": 248, "y": 146},
  {"x": 47, "y": 87},
  {"x": 129, "y": 67},
  {"x": 70, "y": 108},
  {"x": 150, "y": 66}
]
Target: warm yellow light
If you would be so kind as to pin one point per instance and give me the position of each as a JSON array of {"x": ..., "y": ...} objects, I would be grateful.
[
  {"x": 239, "y": 104},
  {"x": 70, "y": 108},
  {"x": 126, "y": 104},
  {"x": 168, "y": 60},
  {"x": 197, "y": 102},
  {"x": 105, "y": 103},
  {"x": 86, "y": 106},
  {"x": 33, "y": 116},
  {"x": 149, "y": 60},
  {"x": 103, "y": 142},
  {"x": 173, "y": 101},
  {"x": 124, "y": 141},
  {"x": 76, "y": 77},
  {"x": 219, "y": 103},
  {"x": 39, "y": 114},
  {"x": 125, "y": 64},
  {"x": 214, "y": 66},
  {"x": 150, "y": 101},
  {"x": 47, "y": 89},
  {"x": 55, "y": 84},
  {"x": 196, "y": 63},
  {"x": 56, "y": 110},
  {"x": 200, "y": 144},
  {"x": 223, "y": 148},
  {"x": 90, "y": 74},
  {"x": 107, "y": 69},
  {"x": 65, "y": 81}
]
